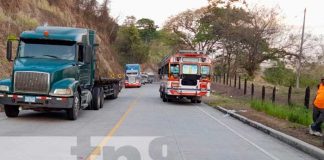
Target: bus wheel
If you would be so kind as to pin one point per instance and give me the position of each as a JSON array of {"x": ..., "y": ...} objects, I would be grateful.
[
  {"x": 198, "y": 101},
  {"x": 193, "y": 100}
]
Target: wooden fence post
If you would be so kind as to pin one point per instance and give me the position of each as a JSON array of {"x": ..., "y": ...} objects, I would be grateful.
[
  {"x": 245, "y": 85},
  {"x": 274, "y": 94},
  {"x": 252, "y": 91},
  {"x": 235, "y": 81},
  {"x": 239, "y": 82},
  {"x": 263, "y": 93},
  {"x": 307, "y": 97},
  {"x": 230, "y": 81},
  {"x": 289, "y": 95}
]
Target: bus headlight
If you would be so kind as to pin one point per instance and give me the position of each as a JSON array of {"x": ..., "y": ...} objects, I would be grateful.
[
  {"x": 4, "y": 88},
  {"x": 175, "y": 85}
]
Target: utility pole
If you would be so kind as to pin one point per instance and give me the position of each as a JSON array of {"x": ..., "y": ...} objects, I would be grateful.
[{"x": 299, "y": 62}]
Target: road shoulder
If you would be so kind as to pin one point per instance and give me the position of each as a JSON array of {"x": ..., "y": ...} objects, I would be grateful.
[{"x": 294, "y": 142}]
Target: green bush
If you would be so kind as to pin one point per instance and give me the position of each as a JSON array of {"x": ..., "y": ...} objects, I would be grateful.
[
  {"x": 295, "y": 114},
  {"x": 279, "y": 75}
]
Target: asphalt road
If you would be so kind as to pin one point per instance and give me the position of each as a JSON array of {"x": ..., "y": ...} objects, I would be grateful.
[{"x": 136, "y": 126}]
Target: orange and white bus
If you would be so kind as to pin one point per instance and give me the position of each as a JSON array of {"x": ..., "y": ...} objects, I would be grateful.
[{"x": 186, "y": 74}]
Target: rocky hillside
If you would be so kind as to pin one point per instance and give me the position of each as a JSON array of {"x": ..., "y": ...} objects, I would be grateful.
[{"x": 19, "y": 15}]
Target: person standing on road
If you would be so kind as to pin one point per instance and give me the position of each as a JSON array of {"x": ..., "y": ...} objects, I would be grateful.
[{"x": 318, "y": 111}]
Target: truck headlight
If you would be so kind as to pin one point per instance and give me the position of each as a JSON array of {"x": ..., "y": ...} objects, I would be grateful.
[
  {"x": 63, "y": 92},
  {"x": 4, "y": 88}
]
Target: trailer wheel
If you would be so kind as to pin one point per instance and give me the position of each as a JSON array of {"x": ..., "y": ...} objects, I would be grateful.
[
  {"x": 102, "y": 98},
  {"x": 73, "y": 112},
  {"x": 116, "y": 92},
  {"x": 96, "y": 98},
  {"x": 11, "y": 111}
]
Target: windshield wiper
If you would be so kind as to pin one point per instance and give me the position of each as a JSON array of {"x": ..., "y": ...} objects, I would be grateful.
[
  {"x": 28, "y": 57},
  {"x": 51, "y": 56}
]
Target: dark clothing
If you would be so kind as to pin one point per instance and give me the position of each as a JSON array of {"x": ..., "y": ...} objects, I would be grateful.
[{"x": 318, "y": 119}]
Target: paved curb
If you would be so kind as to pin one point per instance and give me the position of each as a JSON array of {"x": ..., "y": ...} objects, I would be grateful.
[{"x": 294, "y": 142}]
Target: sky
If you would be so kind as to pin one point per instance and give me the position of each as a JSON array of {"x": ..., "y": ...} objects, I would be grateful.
[{"x": 159, "y": 10}]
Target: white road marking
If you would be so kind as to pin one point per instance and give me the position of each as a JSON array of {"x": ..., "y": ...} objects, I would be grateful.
[{"x": 238, "y": 134}]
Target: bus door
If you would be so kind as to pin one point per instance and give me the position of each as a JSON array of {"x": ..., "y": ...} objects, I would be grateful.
[{"x": 189, "y": 77}]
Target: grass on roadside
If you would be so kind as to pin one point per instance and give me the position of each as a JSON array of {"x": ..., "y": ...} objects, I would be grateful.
[{"x": 295, "y": 114}]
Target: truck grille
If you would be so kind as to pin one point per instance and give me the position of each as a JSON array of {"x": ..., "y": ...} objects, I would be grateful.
[
  {"x": 31, "y": 82},
  {"x": 132, "y": 80}
]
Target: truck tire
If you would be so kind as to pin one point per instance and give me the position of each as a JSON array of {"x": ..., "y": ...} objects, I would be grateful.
[
  {"x": 102, "y": 98},
  {"x": 96, "y": 98},
  {"x": 73, "y": 112},
  {"x": 115, "y": 92},
  {"x": 11, "y": 111}
]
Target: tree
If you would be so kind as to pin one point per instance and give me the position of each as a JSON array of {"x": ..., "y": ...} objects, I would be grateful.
[
  {"x": 187, "y": 27},
  {"x": 222, "y": 25},
  {"x": 257, "y": 37},
  {"x": 130, "y": 46},
  {"x": 147, "y": 29}
]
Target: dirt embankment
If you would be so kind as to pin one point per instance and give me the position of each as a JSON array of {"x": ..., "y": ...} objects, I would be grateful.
[{"x": 19, "y": 15}]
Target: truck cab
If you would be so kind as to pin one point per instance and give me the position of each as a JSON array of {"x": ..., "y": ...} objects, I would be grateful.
[
  {"x": 133, "y": 76},
  {"x": 54, "y": 69}
]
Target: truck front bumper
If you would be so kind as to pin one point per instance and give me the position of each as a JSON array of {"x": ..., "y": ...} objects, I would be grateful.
[
  {"x": 37, "y": 101},
  {"x": 128, "y": 85}
]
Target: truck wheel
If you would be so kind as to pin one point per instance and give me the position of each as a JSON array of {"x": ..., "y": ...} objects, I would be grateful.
[
  {"x": 11, "y": 111},
  {"x": 116, "y": 92},
  {"x": 73, "y": 112},
  {"x": 102, "y": 98},
  {"x": 96, "y": 98}
]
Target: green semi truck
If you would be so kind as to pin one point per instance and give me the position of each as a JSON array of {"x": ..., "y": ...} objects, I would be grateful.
[{"x": 55, "y": 69}]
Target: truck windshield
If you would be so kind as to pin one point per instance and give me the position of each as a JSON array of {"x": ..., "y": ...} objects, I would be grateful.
[{"x": 50, "y": 49}]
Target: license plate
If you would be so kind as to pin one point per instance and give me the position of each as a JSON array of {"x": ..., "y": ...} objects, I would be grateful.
[{"x": 30, "y": 99}]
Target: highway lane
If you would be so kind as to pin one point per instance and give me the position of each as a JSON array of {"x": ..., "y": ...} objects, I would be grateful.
[{"x": 138, "y": 125}]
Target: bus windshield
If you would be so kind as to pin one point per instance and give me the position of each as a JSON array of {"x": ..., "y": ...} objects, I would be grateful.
[
  {"x": 190, "y": 69},
  {"x": 174, "y": 69},
  {"x": 205, "y": 70}
]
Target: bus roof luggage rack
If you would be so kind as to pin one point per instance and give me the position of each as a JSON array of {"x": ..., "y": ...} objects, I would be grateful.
[{"x": 192, "y": 51}]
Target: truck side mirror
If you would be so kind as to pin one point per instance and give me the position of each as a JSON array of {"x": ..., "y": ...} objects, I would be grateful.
[{"x": 9, "y": 50}]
